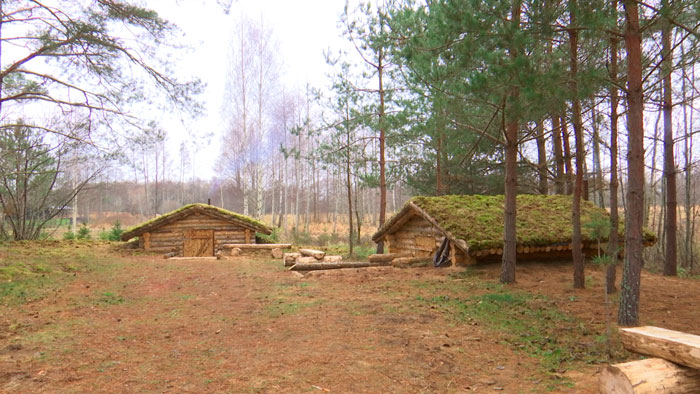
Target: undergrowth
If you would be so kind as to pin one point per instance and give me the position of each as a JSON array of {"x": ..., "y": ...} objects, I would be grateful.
[
  {"x": 31, "y": 270},
  {"x": 531, "y": 324}
]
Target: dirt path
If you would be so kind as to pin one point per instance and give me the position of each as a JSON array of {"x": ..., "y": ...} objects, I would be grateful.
[{"x": 146, "y": 324}]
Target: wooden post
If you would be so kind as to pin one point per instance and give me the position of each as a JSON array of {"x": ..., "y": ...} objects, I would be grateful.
[
  {"x": 147, "y": 241},
  {"x": 247, "y": 236}
]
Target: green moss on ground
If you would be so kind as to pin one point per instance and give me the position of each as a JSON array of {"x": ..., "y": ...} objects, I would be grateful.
[{"x": 541, "y": 220}]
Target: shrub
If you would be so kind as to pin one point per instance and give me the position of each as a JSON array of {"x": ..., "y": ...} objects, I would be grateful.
[
  {"x": 68, "y": 235},
  {"x": 83, "y": 232},
  {"x": 115, "y": 233}
]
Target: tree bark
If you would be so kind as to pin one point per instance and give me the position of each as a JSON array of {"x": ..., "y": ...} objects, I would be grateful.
[
  {"x": 576, "y": 239},
  {"x": 558, "y": 155},
  {"x": 671, "y": 261},
  {"x": 628, "y": 314},
  {"x": 382, "y": 142},
  {"x": 511, "y": 175},
  {"x": 541, "y": 159},
  {"x": 613, "y": 243},
  {"x": 567, "y": 156},
  {"x": 348, "y": 180}
]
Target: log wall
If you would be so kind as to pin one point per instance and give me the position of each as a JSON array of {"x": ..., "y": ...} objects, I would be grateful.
[
  {"x": 417, "y": 238},
  {"x": 169, "y": 237}
]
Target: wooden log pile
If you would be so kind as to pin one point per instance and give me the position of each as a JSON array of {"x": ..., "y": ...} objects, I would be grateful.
[
  {"x": 674, "y": 368},
  {"x": 311, "y": 259},
  {"x": 527, "y": 249},
  {"x": 232, "y": 250}
]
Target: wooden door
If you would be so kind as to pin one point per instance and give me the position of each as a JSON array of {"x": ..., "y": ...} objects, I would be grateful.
[{"x": 198, "y": 243}]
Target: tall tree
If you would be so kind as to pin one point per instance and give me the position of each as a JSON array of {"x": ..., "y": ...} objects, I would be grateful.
[
  {"x": 369, "y": 36},
  {"x": 576, "y": 239},
  {"x": 613, "y": 242},
  {"x": 628, "y": 313},
  {"x": 670, "y": 262}
]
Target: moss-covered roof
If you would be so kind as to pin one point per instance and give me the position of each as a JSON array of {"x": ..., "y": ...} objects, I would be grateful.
[
  {"x": 189, "y": 209},
  {"x": 478, "y": 220}
]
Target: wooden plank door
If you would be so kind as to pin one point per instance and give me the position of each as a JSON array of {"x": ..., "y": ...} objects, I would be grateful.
[{"x": 198, "y": 243}]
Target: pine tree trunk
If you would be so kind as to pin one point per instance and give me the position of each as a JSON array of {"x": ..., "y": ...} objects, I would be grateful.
[
  {"x": 628, "y": 314},
  {"x": 597, "y": 165},
  {"x": 558, "y": 155},
  {"x": 576, "y": 239},
  {"x": 511, "y": 176},
  {"x": 438, "y": 166},
  {"x": 567, "y": 156},
  {"x": 613, "y": 243},
  {"x": 541, "y": 159},
  {"x": 670, "y": 262},
  {"x": 382, "y": 150},
  {"x": 348, "y": 180}
]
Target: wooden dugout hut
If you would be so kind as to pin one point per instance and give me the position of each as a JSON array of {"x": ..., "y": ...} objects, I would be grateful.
[
  {"x": 469, "y": 228},
  {"x": 195, "y": 230}
]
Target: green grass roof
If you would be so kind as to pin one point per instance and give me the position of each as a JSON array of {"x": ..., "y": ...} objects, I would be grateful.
[
  {"x": 220, "y": 212},
  {"x": 541, "y": 219}
]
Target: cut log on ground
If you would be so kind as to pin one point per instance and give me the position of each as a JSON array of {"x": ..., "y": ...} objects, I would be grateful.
[
  {"x": 307, "y": 260},
  {"x": 317, "y": 254},
  {"x": 332, "y": 266},
  {"x": 402, "y": 262},
  {"x": 290, "y": 258},
  {"x": 386, "y": 258},
  {"x": 675, "y": 346},
  {"x": 332, "y": 259},
  {"x": 277, "y": 253},
  {"x": 650, "y": 376}
]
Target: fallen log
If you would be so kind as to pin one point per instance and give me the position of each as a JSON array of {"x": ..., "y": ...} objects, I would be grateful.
[
  {"x": 386, "y": 258},
  {"x": 675, "y": 346},
  {"x": 307, "y": 260},
  {"x": 317, "y": 254},
  {"x": 332, "y": 266},
  {"x": 409, "y": 261},
  {"x": 290, "y": 258},
  {"x": 332, "y": 259},
  {"x": 653, "y": 375},
  {"x": 277, "y": 253}
]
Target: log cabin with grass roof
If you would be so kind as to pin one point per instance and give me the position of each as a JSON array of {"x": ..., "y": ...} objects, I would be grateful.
[
  {"x": 466, "y": 229},
  {"x": 195, "y": 230}
]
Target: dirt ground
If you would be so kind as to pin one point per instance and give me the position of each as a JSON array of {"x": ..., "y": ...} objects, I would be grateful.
[{"x": 145, "y": 324}]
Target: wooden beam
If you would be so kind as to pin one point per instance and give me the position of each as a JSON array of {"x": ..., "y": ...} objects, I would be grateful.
[
  {"x": 650, "y": 376},
  {"x": 332, "y": 266},
  {"x": 255, "y": 246},
  {"x": 675, "y": 346},
  {"x": 247, "y": 236},
  {"x": 147, "y": 241}
]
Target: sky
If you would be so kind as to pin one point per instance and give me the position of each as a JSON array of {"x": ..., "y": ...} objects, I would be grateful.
[{"x": 303, "y": 29}]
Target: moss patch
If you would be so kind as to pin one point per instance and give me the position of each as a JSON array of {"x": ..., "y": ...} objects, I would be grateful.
[{"x": 541, "y": 220}]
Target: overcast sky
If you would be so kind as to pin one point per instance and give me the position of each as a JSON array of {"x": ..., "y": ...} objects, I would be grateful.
[{"x": 303, "y": 28}]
